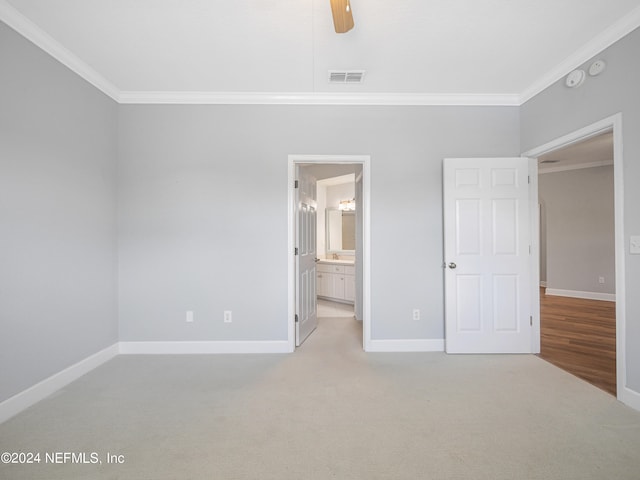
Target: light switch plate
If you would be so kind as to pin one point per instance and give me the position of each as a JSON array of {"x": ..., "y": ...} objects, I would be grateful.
[{"x": 634, "y": 245}]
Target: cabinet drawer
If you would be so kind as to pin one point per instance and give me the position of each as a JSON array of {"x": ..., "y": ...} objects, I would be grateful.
[
  {"x": 323, "y": 267},
  {"x": 350, "y": 270}
]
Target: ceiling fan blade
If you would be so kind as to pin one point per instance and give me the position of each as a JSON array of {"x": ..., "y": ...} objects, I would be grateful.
[{"x": 342, "y": 15}]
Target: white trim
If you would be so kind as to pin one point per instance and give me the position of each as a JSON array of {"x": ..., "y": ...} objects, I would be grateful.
[
  {"x": 614, "y": 123},
  {"x": 199, "y": 348},
  {"x": 630, "y": 398},
  {"x": 25, "y": 27},
  {"x": 578, "y": 136},
  {"x": 556, "y": 292},
  {"x": 543, "y": 284},
  {"x": 407, "y": 345},
  {"x": 534, "y": 255},
  {"x": 317, "y": 98},
  {"x": 23, "y": 400},
  {"x": 608, "y": 37},
  {"x": 577, "y": 166},
  {"x": 365, "y": 161}
]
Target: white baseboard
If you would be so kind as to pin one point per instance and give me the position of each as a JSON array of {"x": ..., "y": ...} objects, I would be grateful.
[
  {"x": 607, "y": 297},
  {"x": 631, "y": 398},
  {"x": 23, "y": 400},
  {"x": 408, "y": 345},
  {"x": 172, "y": 348},
  {"x": 543, "y": 284}
]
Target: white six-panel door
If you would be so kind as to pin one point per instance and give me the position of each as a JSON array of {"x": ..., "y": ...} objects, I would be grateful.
[
  {"x": 486, "y": 254},
  {"x": 306, "y": 302}
]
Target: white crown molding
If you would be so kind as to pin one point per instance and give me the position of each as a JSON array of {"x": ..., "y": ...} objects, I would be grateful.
[
  {"x": 318, "y": 98},
  {"x": 25, "y": 27},
  {"x": 578, "y": 166},
  {"x": 43, "y": 40},
  {"x": 608, "y": 37}
]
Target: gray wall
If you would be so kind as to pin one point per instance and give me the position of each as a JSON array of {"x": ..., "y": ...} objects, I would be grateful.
[
  {"x": 580, "y": 229},
  {"x": 203, "y": 210},
  {"x": 559, "y": 110},
  {"x": 203, "y": 206},
  {"x": 57, "y": 216}
]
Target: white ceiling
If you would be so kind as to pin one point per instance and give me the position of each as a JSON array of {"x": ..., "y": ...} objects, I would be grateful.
[
  {"x": 332, "y": 174},
  {"x": 484, "y": 51},
  {"x": 595, "y": 151}
]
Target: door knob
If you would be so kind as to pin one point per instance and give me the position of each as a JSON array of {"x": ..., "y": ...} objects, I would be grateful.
[{"x": 452, "y": 265}]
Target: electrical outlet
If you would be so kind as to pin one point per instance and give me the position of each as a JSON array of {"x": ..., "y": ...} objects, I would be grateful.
[
  {"x": 227, "y": 316},
  {"x": 189, "y": 318},
  {"x": 416, "y": 314},
  {"x": 601, "y": 280}
]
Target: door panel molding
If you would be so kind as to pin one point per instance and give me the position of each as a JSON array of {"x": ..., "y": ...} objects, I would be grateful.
[{"x": 306, "y": 302}]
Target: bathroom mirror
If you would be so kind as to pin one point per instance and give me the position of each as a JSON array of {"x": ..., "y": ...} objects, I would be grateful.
[{"x": 341, "y": 231}]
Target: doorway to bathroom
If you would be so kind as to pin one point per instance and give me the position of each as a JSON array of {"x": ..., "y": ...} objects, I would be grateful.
[
  {"x": 329, "y": 224},
  {"x": 337, "y": 243}
]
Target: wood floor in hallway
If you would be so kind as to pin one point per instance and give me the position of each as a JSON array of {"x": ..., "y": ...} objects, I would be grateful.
[{"x": 579, "y": 336}]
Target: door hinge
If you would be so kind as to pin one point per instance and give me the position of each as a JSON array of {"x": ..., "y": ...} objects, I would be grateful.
[
  {"x": 295, "y": 184},
  {"x": 529, "y": 249},
  {"x": 295, "y": 251},
  {"x": 529, "y": 179},
  {"x": 296, "y": 318},
  {"x": 531, "y": 320}
]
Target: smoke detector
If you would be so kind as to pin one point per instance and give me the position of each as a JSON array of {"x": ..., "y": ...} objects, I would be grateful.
[
  {"x": 575, "y": 78},
  {"x": 597, "y": 68}
]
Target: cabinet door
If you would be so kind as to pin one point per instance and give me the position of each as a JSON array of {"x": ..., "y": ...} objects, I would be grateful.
[
  {"x": 338, "y": 285},
  {"x": 350, "y": 288},
  {"x": 325, "y": 284}
]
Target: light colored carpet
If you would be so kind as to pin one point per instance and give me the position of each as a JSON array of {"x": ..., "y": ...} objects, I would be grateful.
[{"x": 330, "y": 411}]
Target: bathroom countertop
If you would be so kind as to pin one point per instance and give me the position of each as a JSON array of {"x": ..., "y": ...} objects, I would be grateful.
[{"x": 330, "y": 261}]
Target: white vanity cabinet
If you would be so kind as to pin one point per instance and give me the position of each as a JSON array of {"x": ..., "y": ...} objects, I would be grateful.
[{"x": 336, "y": 282}]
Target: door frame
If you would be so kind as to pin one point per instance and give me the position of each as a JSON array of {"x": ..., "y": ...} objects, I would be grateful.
[
  {"x": 365, "y": 162},
  {"x": 614, "y": 124}
]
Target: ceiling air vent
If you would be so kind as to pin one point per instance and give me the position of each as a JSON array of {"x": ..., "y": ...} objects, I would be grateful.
[{"x": 346, "y": 76}]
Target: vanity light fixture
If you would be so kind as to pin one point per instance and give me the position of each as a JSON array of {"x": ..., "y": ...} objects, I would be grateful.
[{"x": 348, "y": 205}]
